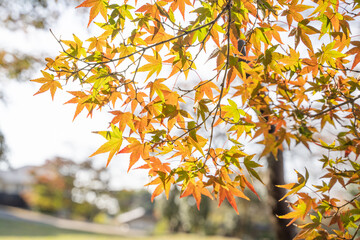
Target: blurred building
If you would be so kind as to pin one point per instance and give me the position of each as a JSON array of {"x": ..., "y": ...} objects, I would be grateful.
[
  {"x": 137, "y": 219},
  {"x": 16, "y": 181},
  {"x": 14, "y": 184}
]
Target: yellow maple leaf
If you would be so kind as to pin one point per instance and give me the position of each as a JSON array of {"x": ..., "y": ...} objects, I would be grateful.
[
  {"x": 113, "y": 144},
  {"x": 48, "y": 84}
]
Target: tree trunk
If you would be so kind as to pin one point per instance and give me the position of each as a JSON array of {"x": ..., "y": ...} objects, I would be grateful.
[{"x": 276, "y": 174}]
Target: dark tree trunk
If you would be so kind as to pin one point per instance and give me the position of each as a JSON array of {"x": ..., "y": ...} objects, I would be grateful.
[{"x": 276, "y": 174}]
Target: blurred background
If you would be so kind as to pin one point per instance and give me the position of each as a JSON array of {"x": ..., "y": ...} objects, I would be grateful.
[{"x": 49, "y": 189}]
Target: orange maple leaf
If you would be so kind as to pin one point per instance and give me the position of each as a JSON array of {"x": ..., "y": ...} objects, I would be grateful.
[
  {"x": 179, "y": 4},
  {"x": 123, "y": 118},
  {"x": 355, "y": 51},
  {"x": 137, "y": 150},
  {"x": 196, "y": 189},
  {"x": 229, "y": 194},
  {"x": 96, "y": 7}
]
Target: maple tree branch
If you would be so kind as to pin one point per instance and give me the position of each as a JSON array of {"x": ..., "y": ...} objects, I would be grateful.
[
  {"x": 187, "y": 130},
  {"x": 143, "y": 49},
  {"x": 202, "y": 46},
  {"x": 87, "y": 64},
  {"x": 335, "y": 106},
  {"x": 290, "y": 98},
  {"x": 339, "y": 69},
  {"x": 356, "y": 120},
  {"x": 186, "y": 32},
  {"x": 218, "y": 106},
  {"x": 186, "y": 91},
  {"x": 355, "y": 233},
  {"x": 71, "y": 56},
  {"x": 133, "y": 79},
  {"x": 162, "y": 9},
  {"x": 354, "y": 114},
  {"x": 62, "y": 47}
]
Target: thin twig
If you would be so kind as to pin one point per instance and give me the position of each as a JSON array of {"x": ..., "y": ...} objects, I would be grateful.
[
  {"x": 218, "y": 106},
  {"x": 335, "y": 106}
]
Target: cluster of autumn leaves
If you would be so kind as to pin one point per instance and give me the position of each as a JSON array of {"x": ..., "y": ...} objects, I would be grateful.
[{"x": 298, "y": 77}]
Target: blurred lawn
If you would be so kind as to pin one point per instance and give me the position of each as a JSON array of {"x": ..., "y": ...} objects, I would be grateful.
[{"x": 21, "y": 230}]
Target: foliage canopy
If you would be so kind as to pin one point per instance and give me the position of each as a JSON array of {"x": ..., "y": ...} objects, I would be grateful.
[{"x": 174, "y": 74}]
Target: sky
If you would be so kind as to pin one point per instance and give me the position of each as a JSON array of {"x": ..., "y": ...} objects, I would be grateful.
[{"x": 38, "y": 129}]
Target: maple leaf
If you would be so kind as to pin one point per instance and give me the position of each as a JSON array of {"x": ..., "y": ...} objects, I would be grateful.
[
  {"x": 97, "y": 43},
  {"x": 328, "y": 54},
  {"x": 196, "y": 189},
  {"x": 250, "y": 165},
  {"x": 205, "y": 88},
  {"x": 179, "y": 4},
  {"x": 250, "y": 186},
  {"x": 312, "y": 65},
  {"x": 81, "y": 99},
  {"x": 155, "y": 65},
  {"x": 158, "y": 87},
  {"x": 197, "y": 141},
  {"x": 164, "y": 180},
  {"x": 137, "y": 150},
  {"x": 291, "y": 60},
  {"x": 355, "y": 51},
  {"x": 228, "y": 192},
  {"x": 113, "y": 144},
  {"x": 151, "y": 9},
  {"x": 124, "y": 118},
  {"x": 48, "y": 84},
  {"x": 158, "y": 35},
  {"x": 158, "y": 190},
  {"x": 300, "y": 211},
  {"x": 125, "y": 51},
  {"x": 232, "y": 111},
  {"x": 295, "y": 187},
  {"x": 97, "y": 6}
]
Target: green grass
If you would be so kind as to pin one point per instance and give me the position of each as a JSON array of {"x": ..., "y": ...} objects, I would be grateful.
[{"x": 21, "y": 230}]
